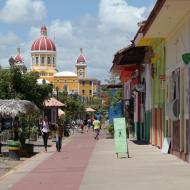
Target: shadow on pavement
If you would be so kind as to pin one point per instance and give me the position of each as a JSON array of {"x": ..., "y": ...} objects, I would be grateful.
[{"x": 139, "y": 142}]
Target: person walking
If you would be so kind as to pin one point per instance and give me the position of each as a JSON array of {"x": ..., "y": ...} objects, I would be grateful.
[
  {"x": 59, "y": 135},
  {"x": 45, "y": 131},
  {"x": 82, "y": 126},
  {"x": 96, "y": 124},
  {"x": 89, "y": 123}
]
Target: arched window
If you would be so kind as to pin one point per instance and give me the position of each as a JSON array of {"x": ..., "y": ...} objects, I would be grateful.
[
  {"x": 37, "y": 60},
  {"x": 42, "y": 60},
  {"x": 49, "y": 60}
]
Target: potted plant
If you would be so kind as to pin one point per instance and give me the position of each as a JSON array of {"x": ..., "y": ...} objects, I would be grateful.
[{"x": 33, "y": 133}]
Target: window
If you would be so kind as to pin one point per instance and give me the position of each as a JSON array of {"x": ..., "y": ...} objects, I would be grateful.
[
  {"x": 42, "y": 60},
  {"x": 53, "y": 60},
  {"x": 83, "y": 91},
  {"x": 37, "y": 60},
  {"x": 90, "y": 92},
  {"x": 49, "y": 60},
  {"x": 90, "y": 83},
  {"x": 83, "y": 83}
]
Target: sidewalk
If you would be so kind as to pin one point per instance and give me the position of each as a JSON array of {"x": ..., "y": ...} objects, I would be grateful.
[
  {"x": 146, "y": 169},
  {"x": 87, "y": 164},
  {"x": 54, "y": 170}
]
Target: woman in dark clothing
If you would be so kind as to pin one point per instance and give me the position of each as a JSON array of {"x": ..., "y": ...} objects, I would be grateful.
[{"x": 59, "y": 135}]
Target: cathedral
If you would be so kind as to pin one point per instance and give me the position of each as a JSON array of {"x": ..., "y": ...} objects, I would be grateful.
[{"x": 43, "y": 60}]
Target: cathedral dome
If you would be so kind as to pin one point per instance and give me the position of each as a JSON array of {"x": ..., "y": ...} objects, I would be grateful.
[
  {"x": 18, "y": 58},
  {"x": 81, "y": 58},
  {"x": 43, "y": 43}
]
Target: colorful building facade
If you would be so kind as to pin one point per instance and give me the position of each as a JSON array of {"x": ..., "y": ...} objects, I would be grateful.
[{"x": 166, "y": 34}]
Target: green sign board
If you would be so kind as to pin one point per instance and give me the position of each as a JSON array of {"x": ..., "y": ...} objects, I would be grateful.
[
  {"x": 120, "y": 136},
  {"x": 186, "y": 58}
]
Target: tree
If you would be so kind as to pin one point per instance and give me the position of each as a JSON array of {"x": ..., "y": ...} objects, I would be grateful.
[
  {"x": 73, "y": 106},
  {"x": 15, "y": 85}
]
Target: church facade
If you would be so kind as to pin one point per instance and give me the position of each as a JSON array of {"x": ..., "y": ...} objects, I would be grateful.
[{"x": 43, "y": 60}]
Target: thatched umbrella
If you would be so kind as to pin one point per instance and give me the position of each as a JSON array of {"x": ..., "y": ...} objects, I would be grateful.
[{"x": 15, "y": 107}]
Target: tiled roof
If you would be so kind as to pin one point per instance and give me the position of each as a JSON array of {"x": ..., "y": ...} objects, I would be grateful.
[{"x": 52, "y": 102}]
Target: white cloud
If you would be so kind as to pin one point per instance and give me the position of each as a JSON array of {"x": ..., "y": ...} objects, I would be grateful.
[
  {"x": 22, "y": 11},
  {"x": 61, "y": 29},
  {"x": 8, "y": 39},
  {"x": 117, "y": 14}
]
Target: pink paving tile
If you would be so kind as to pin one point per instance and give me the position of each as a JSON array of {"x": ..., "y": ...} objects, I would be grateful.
[{"x": 63, "y": 170}]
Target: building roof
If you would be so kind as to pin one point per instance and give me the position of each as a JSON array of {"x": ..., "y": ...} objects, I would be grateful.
[
  {"x": 155, "y": 11},
  {"x": 52, "y": 102},
  {"x": 167, "y": 14},
  {"x": 43, "y": 43},
  {"x": 65, "y": 74}
]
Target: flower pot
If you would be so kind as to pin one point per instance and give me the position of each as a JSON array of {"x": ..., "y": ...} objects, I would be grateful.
[
  {"x": 14, "y": 150},
  {"x": 27, "y": 150}
]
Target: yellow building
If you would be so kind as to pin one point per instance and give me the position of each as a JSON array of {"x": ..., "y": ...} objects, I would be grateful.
[
  {"x": 66, "y": 81},
  {"x": 43, "y": 60},
  {"x": 89, "y": 87}
]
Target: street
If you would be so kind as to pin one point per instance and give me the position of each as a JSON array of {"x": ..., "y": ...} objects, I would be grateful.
[{"x": 87, "y": 164}]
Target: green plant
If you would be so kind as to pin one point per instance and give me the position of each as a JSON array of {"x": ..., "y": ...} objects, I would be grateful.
[{"x": 34, "y": 130}]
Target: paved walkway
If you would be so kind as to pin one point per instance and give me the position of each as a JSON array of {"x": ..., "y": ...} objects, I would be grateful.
[
  {"x": 146, "y": 169},
  {"x": 54, "y": 170},
  {"x": 86, "y": 164}
]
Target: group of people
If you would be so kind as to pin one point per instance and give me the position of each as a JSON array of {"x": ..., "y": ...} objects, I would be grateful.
[
  {"x": 45, "y": 127},
  {"x": 45, "y": 130},
  {"x": 95, "y": 124}
]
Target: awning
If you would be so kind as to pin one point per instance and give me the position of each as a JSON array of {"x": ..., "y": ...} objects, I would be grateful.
[
  {"x": 128, "y": 56},
  {"x": 126, "y": 73}
]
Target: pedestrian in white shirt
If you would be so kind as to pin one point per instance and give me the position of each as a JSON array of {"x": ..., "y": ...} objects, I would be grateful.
[{"x": 45, "y": 131}]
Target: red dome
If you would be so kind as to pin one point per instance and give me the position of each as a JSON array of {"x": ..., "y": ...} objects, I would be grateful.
[
  {"x": 18, "y": 58},
  {"x": 43, "y": 43},
  {"x": 81, "y": 59}
]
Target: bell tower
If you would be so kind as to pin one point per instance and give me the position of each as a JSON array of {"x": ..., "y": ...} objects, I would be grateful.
[{"x": 81, "y": 65}]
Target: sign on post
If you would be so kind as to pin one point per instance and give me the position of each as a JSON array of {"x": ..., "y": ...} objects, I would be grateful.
[{"x": 120, "y": 136}]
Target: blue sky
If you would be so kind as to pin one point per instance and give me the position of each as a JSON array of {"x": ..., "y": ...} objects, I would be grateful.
[{"x": 101, "y": 27}]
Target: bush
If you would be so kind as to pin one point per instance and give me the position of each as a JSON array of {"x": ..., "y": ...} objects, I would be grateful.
[{"x": 111, "y": 129}]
